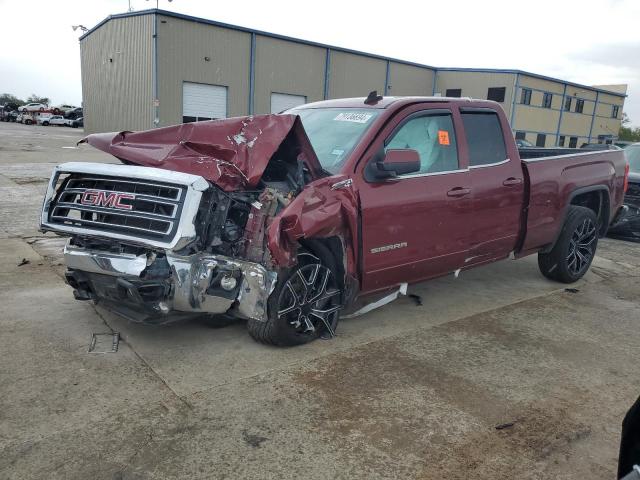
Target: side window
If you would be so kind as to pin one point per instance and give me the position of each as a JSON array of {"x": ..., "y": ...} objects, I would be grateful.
[
  {"x": 433, "y": 137},
  {"x": 484, "y": 138}
]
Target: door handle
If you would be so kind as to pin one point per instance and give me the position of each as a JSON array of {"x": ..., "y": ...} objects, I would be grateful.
[
  {"x": 512, "y": 181},
  {"x": 458, "y": 192}
]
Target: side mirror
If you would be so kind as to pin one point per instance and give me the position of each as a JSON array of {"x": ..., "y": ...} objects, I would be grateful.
[{"x": 398, "y": 162}]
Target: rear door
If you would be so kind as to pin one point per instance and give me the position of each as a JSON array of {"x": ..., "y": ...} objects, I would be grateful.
[
  {"x": 415, "y": 226},
  {"x": 498, "y": 186}
]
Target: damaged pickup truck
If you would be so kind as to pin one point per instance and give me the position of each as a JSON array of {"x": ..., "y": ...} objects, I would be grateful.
[{"x": 330, "y": 209}]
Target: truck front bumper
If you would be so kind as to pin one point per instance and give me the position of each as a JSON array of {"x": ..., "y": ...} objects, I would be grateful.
[{"x": 160, "y": 288}]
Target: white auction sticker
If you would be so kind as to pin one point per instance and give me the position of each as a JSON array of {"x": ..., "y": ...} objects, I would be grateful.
[{"x": 353, "y": 117}]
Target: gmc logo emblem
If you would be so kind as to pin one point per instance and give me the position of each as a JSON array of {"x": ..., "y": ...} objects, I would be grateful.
[{"x": 100, "y": 198}]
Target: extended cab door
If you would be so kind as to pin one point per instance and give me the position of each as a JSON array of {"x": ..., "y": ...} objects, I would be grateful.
[
  {"x": 498, "y": 185},
  {"x": 415, "y": 226}
]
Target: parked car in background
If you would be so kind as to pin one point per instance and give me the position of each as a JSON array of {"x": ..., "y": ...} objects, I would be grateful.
[
  {"x": 628, "y": 222},
  {"x": 63, "y": 109},
  {"x": 33, "y": 107},
  {"x": 78, "y": 122},
  {"x": 521, "y": 143},
  {"x": 622, "y": 143},
  {"x": 53, "y": 120},
  {"x": 73, "y": 114},
  {"x": 331, "y": 208},
  {"x": 42, "y": 118}
]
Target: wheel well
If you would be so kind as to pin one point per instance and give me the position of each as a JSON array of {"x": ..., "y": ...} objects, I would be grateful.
[
  {"x": 598, "y": 201},
  {"x": 331, "y": 251}
]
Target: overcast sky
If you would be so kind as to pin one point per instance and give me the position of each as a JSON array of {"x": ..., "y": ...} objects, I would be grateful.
[{"x": 584, "y": 41}]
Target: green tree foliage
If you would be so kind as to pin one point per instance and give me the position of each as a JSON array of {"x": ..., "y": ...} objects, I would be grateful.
[
  {"x": 11, "y": 100},
  {"x": 33, "y": 98},
  {"x": 627, "y": 132}
]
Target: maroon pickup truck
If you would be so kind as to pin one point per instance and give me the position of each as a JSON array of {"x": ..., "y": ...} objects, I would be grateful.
[{"x": 333, "y": 208}]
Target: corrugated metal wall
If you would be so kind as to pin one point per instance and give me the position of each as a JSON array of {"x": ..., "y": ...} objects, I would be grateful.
[
  {"x": 355, "y": 75},
  {"x": 287, "y": 67},
  {"x": 409, "y": 80},
  {"x": 182, "y": 48},
  {"x": 116, "y": 63}
]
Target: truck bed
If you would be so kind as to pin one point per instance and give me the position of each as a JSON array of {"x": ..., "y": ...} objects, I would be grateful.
[{"x": 554, "y": 181}]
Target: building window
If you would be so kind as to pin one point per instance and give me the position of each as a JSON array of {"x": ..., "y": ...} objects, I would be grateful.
[
  {"x": 579, "y": 105},
  {"x": 546, "y": 100},
  {"x": 521, "y": 135},
  {"x": 540, "y": 140},
  {"x": 615, "y": 109},
  {"x": 496, "y": 94},
  {"x": 525, "y": 96},
  {"x": 573, "y": 142},
  {"x": 567, "y": 104},
  {"x": 561, "y": 141},
  {"x": 453, "y": 92}
]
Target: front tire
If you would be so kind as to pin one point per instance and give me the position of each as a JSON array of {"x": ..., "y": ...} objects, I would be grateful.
[
  {"x": 573, "y": 253},
  {"x": 304, "y": 305}
]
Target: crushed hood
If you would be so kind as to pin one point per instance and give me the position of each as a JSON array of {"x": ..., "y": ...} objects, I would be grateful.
[{"x": 232, "y": 153}]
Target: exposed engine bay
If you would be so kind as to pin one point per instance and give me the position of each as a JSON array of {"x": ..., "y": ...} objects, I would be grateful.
[{"x": 192, "y": 226}]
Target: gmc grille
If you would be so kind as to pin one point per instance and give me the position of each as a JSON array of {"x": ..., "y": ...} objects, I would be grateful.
[{"x": 142, "y": 209}]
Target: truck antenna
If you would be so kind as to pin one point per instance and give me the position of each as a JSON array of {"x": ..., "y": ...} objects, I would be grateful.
[{"x": 373, "y": 98}]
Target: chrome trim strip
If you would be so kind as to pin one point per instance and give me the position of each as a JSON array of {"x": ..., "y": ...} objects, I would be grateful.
[
  {"x": 417, "y": 175},
  {"x": 502, "y": 162},
  {"x": 106, "y": 263},
  {"x": 135, "y": 182},
  {"x": 586, "y": 152},
  {"x": 124, "y": 213},
  {"x": 114, "y": 226},
  {"x": 139, "y": 196}
]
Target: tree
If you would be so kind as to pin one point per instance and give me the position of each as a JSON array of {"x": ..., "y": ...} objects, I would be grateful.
[
  {"x": 33, "y": 98},
  {"x": 626, "y": 133},
  {"x": 11, "y": 100}
]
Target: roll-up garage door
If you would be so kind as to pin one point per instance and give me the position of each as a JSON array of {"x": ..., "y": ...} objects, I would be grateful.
[
  {"x": 284, "y": 101},
  {"x": 203, "y": 102}
]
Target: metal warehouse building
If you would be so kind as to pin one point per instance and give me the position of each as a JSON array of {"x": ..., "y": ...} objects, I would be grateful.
[{"x": 157, "y": 68}]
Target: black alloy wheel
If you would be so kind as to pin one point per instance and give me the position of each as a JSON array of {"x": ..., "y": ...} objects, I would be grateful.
[{"x": 582, "y": 247}]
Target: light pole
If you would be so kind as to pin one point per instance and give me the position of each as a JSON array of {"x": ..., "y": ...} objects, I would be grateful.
[{"x": 158, "y": 3}]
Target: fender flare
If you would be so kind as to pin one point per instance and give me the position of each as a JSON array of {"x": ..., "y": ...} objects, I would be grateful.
[{"x": 606, "y": 211}]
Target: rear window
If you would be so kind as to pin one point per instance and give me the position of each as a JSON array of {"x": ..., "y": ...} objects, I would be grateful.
[{"x": 484, "y": 138}]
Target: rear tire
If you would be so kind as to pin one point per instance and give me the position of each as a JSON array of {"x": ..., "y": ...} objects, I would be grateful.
[
  {"x": 304, "y": 305},
  {"x": 573, "y": 253}
]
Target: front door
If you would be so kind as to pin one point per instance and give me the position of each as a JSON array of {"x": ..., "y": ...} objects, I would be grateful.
[{"x": 415, "y": 226}]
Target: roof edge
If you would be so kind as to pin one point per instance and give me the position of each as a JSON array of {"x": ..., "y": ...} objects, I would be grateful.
[
  {"x": 530, "y": 74},
  {"x": 205, "y": 21}
]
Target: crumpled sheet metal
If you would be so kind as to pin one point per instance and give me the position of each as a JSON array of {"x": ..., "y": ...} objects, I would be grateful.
[
  {"x": 232, "y": 153},
  {"x": 317, "y": 212}
]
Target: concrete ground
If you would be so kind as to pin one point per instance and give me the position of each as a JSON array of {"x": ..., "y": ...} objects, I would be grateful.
[{"x": 407, "y": 391}]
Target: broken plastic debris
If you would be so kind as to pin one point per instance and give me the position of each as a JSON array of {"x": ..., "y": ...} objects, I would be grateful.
[
  {"x": 416, "y": 298},
  {"x": 24, "y": 262},
  {"x": 571, "y": 290},
  {"x": 457, "y": 273}
]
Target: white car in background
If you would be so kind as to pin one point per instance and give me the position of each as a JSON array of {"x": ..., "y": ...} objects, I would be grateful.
[
  {"x": 33, "y": 107},
  {"x": 62, "y": 109},
  {"x": 53, "y": 120},
  {"x": 40, "y": 119}
]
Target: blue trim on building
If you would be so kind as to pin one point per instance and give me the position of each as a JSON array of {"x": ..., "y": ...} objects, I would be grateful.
[
  {"x": 529, "y": 74},
  {"x": 249, "y": 30},
  {"x": 516, "y": 86},
  {"x": 339, "y": 49},
  {"x": 386, "y": 79},
  {"x": 593, "y": 115},
  {"x": 564, "y": 94},
  {"x": 156, "y": 108},
  {"x": 252, "y": 73},
  {"x": 327, "y": 73}
]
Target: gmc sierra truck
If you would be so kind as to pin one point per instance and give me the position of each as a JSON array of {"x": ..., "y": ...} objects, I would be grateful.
[{"x": 332, "y": 208}]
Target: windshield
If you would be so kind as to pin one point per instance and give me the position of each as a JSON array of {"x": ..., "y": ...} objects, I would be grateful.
[
  {"x": 633, "y": 157},
  {"x": 334, "y": 132}
]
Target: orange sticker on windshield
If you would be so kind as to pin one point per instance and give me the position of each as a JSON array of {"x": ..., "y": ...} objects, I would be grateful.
[{"x": 443, "y": 137}]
